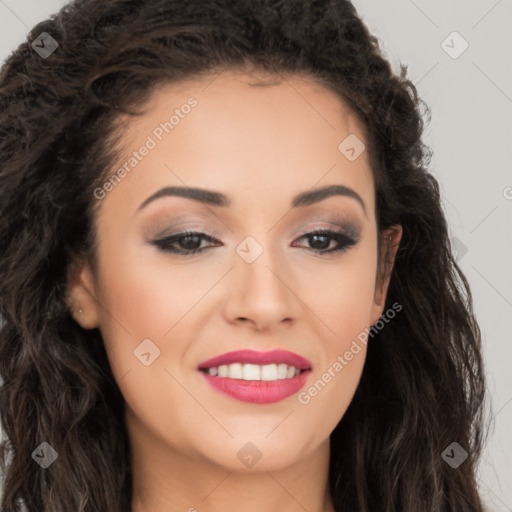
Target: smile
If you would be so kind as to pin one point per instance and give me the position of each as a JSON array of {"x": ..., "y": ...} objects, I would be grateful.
[{"x": 256, "y": 377}]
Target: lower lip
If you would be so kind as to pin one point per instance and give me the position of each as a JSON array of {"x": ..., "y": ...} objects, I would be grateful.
[{"x": 257, "y": 391}]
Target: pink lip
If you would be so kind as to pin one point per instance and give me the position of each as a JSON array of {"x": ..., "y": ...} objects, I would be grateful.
[
  {"x": 257, "y": 391},
  {"x": 256, "y": 357}
]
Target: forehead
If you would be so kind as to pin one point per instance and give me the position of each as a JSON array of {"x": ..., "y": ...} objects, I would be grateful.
[
  {"x": 246, "y": 133},
  {"x": 236, "y": 99}
]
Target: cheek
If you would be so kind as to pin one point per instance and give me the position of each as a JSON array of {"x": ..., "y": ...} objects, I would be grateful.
[
  {"x": 149, "y": 296},
  {"x": 342, "y": 295},
  {"x": 342, "y": 300},
  {"x": 344, "y": 309}
]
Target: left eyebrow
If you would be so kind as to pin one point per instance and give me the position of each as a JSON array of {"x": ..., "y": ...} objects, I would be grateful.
[
  {"x": 319, "y": 194},
  {"x": 218, "y": 199}
]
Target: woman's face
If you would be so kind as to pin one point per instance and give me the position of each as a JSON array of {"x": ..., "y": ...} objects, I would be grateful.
[{"x": 227, "y": 160}]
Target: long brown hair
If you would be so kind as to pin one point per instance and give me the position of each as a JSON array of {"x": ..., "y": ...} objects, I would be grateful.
[{"x": 422, "y": 386}]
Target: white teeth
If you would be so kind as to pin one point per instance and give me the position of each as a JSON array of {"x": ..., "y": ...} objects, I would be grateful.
[
  {"x": 267, "y": 372},
  {"x": 235, "y": 371},
  {"x": 281, "y": 371},
  {"x": 251, "y": 372}
]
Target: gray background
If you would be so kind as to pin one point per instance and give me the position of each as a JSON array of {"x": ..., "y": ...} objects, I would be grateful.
[{"x": 471, "y": 135}]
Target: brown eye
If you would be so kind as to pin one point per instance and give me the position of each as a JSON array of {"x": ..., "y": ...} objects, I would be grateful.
[
  {"x": 320, "y": 240},
  {"x": 184, "y": 243}
]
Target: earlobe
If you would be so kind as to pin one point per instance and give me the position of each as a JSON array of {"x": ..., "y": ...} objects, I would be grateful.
[
  {"x": 81, "y": 296},
  {"x": 390, "y": 243}
]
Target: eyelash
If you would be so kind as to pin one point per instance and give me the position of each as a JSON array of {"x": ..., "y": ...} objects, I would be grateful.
[{"x": 345, "y": 241}]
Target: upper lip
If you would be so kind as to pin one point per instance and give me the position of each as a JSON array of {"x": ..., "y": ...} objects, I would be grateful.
[{"x": 260, "y": 358}]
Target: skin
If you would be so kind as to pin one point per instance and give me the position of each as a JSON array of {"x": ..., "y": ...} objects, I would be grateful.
[{"x": 259, "y": 145}]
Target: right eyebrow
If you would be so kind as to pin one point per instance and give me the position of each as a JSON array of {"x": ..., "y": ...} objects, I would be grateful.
[{"x": 197, "y": 194}]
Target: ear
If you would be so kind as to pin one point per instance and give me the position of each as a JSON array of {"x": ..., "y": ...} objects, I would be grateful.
[
  {"x": 81, "y": 295},
  {"x": 390, "y": 243}
]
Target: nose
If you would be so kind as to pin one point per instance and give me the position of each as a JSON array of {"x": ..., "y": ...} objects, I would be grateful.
[{"x": 261, "y": 294}]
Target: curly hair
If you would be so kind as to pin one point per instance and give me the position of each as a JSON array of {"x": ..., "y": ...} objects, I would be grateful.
[{"x": 423, "y": 383}]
